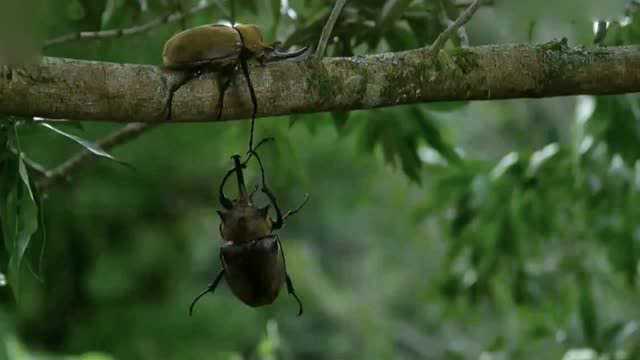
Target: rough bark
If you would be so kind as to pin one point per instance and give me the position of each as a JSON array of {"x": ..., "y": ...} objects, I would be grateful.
[{"x": 86, "y": 90}]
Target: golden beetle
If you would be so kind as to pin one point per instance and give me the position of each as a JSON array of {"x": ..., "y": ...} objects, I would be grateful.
[
  {"x": 252, "y": 258},
  {"x": 220, "y": 49}
]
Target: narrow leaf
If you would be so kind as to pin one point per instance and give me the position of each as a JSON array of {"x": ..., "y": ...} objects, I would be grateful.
[
  {"x": 8, "y": 190},
  {"x": 22, "y": 168},
  {"x": 24, "y": 175},
  {"x": 276, "y": 6},
  {"x": 588, "y": 313},
  {"x": 431, "y": 133},
  {"x": 340, "y": 119},
  {"x": 90, "y": 146},
  {"x": 391, "y": 11},
  {"x": 43, "y": 231},
  {"x": 27, "y": 225}
]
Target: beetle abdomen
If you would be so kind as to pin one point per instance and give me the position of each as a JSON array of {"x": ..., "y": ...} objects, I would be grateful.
[
  {"x": 208, "y": 44},
  {"x": 254, "y": 271}
]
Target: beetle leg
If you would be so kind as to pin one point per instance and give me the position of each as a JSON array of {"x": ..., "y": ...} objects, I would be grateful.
[
  {"x": 175, "y": 84},
  {"x": 211, "y": 288},
  {"x": 254, "y": 99},
  {"x": 292, "y": 292},
  {"x": 223, "y": 84},
  {"x": 265, "y": 189},
  {"x": 245, "y": 69},
  {"x": 290, "y": 288}
]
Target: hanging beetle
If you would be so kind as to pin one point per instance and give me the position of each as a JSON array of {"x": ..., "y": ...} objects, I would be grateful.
[
  {"x": 252, "y": 258},
  {"x": 218, "y": 48}
]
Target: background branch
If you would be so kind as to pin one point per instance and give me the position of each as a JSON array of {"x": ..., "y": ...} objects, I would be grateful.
[
  {"x": 118, "y": 137},
  {"x": 328, "y": 29},
  {"x": 121, "y": 92},
  {"x": 114, "y": 33},
  {"x": 466, "y": 15}
]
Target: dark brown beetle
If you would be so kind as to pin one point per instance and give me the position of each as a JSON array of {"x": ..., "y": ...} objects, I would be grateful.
[
  {"x": 252, "y": 258},
  {"x": 220, "y": 49}
]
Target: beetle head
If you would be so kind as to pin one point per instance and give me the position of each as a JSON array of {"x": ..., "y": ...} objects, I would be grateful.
[{"x": 253, "y": 41}]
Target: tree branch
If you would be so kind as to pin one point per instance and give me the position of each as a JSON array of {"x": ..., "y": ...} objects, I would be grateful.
[
  {"x": 466, "y": 15},
  {"x": 64, "y": 170},
  {"x": 114, "y": 33},
  {"x": 85, "y": 90}
]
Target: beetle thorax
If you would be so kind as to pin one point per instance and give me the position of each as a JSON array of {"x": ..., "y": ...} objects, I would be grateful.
[
  {"x": 253, "y": 42},
  {"x": 243, "y": 223}
]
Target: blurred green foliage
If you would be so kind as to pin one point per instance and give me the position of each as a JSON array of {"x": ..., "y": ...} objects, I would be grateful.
[{"x": 494, "y": 230}]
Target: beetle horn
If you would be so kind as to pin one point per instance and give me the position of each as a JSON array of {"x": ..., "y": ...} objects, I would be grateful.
[
  {"x": 242, "y": 189},
  {"x": 279, "y": 53}
]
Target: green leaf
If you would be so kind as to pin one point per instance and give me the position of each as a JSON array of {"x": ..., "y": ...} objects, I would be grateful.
[
  {"x": 27, "y": 226},
  {"x": 24, "y": 176},
  {"x": 251, "y": 4},
  {"x": 277, "y": 14},
  {"x": 90, "y": 146},
  {"x": 340, "y": 119},
  {"x": 3, "y": 280},
  {"x": 617, "y": 333},
  {"x": 541, "y": 157},
  {"x": 22, "y": 168},
  {"x": 8, "y": 190},
  {"x": 19, "y": 218},
  {"x": 75, "y": 10},
  {"x": 431, "y": 133},
  {"x": 391, "y": 11},
  {"x": 43, "y": 232},
  {"x": 400, "y": 39},
  {"x": 109, "y": 10},
  {"x": 446, "y": 106},
  {"x": 504, "y": 165},
  {"x": 601, "y": 32},
  {"x": 587, "y": 309},
  {"x": 616, "y": 121}
]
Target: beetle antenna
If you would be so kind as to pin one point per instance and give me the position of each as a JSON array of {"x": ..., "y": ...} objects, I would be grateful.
[
  {"x": 295, "y": 211},
  {"x": 265, "y": 189},
  {"x": 290, "y": 288},
  {"x": 211, "y": 288},
  {"x": 255, "y": 149}
]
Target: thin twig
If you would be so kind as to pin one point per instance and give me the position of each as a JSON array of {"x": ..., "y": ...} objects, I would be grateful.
[
  {"x": 30, "y": 163},
  {"x": 462, "y": 33},
  {"x": 461, "y": 20},
  {"x": 328, "y": 29},
  {"x": 118, "y": 137},
  {"x": 166, "y": 19},
  {"x": 465, "y": 3}
]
